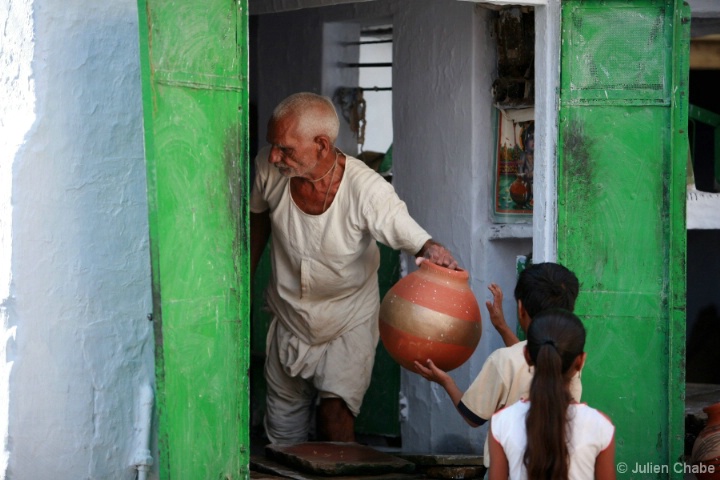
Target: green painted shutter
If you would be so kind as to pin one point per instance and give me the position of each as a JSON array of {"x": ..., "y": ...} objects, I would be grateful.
[
  {"x": 621, "y": 213},
  {"x": 194, "y": 76},
  {"x": 380, "y": 412}
]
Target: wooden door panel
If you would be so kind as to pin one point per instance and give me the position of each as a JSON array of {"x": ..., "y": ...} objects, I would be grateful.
[
  {"x": 194, "y": 75},
  {"x": 621, "y": 225}
]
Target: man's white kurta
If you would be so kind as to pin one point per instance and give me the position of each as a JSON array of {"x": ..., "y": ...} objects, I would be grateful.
[{"x": 324, "y": 280}]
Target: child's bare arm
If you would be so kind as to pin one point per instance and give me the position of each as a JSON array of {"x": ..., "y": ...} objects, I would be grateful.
[
  {"x": 431, "y": 372},
  {"x": 499, "y": 468},
  {"x": 605, "y": 463}
]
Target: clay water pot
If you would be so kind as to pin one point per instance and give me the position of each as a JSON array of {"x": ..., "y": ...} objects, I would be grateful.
[
  {"x": 706, "y": 449},
  {"x": 431, "y": 314}
]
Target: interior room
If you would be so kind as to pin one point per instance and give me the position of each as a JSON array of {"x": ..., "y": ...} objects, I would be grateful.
[
  {"x": 410, "y": 102},
  {"x": 428, "y": 123}
]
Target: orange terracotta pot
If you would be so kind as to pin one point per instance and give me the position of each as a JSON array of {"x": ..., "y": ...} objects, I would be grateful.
[
  {"x": 706, "y": 450},
  {"x": 431, "y": 314}
]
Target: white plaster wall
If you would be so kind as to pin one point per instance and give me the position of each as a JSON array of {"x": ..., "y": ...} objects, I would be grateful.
[
  {"x": 443, "y": 66},
  {"x": 74, "y": 228},
  {"x": 443, "y": 157},
  {"x": 16, "y": 117},
  {"x": 438, "y": 171}
]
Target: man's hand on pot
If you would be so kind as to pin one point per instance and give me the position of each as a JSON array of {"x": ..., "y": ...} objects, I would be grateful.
[{"x": 437, "y": 254}]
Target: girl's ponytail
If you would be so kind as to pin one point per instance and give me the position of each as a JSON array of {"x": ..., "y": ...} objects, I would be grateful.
[{"x": 555, "y": 339}]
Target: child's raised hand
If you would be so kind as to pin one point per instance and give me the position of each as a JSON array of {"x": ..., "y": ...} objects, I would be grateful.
[
  {"x": 497, "y": 317},
  {"x": 431, "y": 372}
]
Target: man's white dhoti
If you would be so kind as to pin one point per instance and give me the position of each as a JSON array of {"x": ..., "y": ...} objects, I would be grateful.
[{"x": 298, "y": 375}]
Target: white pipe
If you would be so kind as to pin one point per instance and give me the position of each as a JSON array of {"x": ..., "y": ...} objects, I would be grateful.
[{"x": 143, "y": 458}]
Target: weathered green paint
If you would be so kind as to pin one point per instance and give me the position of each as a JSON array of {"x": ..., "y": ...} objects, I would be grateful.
[
  {"x": 194, "y": 76},
  {"x": 621, "y": 213}
]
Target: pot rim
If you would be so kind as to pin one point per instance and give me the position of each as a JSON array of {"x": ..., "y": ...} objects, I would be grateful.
[
  {"x": 714, "y": 408},
  {"x": 458, "y": 273}
]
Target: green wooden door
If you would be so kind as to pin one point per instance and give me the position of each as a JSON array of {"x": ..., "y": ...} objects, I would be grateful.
[
  {"x": 621, "y": 214},
  {"x": 194, "y": 76}
]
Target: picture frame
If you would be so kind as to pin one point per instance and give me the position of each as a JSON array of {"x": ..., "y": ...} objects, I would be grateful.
[{"x": 513, "y": 165}]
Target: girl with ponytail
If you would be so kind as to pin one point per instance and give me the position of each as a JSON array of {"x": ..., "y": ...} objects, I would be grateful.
[{"x": 550, "y": 436}]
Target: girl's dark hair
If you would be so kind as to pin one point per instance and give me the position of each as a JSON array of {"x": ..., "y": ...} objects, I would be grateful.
[{"x": 555, "y": 339}]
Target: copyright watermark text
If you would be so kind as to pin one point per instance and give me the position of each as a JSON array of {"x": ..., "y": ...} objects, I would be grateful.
[{"x": 677, "y": 467}]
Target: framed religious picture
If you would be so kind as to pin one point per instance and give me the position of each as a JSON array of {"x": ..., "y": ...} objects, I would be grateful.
[{"x": 514, "y": 161}]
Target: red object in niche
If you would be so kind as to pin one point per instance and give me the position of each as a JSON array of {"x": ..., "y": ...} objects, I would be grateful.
[
  {"x": 706, "y": 450},
  {"x": 431, "y": 313},
  {"x": 519, "y": 191}
]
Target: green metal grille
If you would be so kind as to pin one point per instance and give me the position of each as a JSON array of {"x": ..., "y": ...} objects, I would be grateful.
[{"x": 619, "y": 55}]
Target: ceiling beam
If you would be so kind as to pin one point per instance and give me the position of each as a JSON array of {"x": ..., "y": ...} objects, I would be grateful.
[{"x": 259, "y": 7}]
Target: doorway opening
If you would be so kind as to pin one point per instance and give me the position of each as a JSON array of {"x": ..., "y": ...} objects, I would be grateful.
[
  {"x": 357, "y": 75},
  {"x": 375, "y": 80}
]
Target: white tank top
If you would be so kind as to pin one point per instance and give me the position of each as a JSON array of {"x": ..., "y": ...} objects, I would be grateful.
[{"x": 590, "y": 433}]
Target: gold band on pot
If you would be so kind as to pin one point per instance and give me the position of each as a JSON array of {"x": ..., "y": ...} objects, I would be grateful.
[{"x": 425, "y": 323}]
